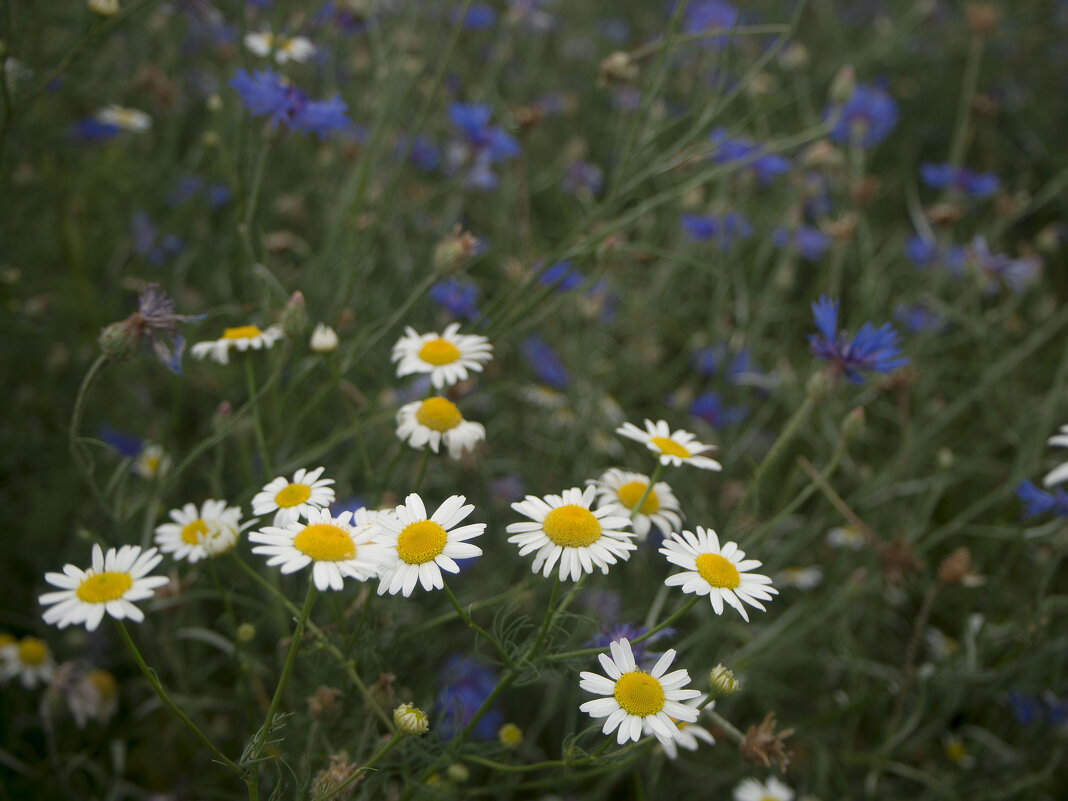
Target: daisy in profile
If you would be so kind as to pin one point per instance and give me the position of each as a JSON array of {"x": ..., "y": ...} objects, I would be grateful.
[
  {"x": 563, "y": 529},
  {"x": 447, "y": 356},
  {"x": 620, "y": 491},
  {"x": 672, "y": 447},
  {"x": 435, "y": 421},
  {"x": 771, "y": 790},
  {"x": 1060, "y": 473},
  {"x": 689, "y": 733},
  {"x": 286, "y": 49},
  {"x": 129, "y": 119},
  {"x": 418, "y": 547},
  {"x": 193, "y": 534},
  {"x": 242, "y": 337},
  {"x": 30, "y": 659},
  {"x": 636, "y": 702},
  {"x": 291, "y": 499},
  {"x": 111, "y": 586},
  {"x": 719, "y": 573},
  {"x": 332, "y": 545}
]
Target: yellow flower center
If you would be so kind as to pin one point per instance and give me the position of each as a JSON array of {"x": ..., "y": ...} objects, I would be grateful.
[
  {"x": 670, "y": 447},
  {"x": 292, "y": 495},
  {"x": 439, "y": 414},
  {"x": 572, "y": 526},
  {"x": 631, "y": 492},
  {"x": 325, "y": 542},
  {"x": 639, "y": 694},
  {"x": 241, "y": 332},
  {"x": 104, "y": 683},
  {"x": 191, "y": 532},
  {"x": 438, "y": 351},
  {"x": 420, "y": 542},
  {"x": 32, "y": 651},
  {"x": 6, "y": 639},
  {"x": 103, "y": 587},
  {"x": 718, "y": 571}
]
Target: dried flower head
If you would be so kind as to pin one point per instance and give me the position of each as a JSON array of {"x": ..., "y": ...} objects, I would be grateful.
[
  {"x": 897, "y": 560},
  {"x": 762, "y": 745},
  {"x": 155, "y": 320},
  {"x": 338, "y": 781}
]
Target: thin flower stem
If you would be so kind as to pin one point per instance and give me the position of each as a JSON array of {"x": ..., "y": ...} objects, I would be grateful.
[
  {"x": 154, "y": 682},
  {"x": 648, "y": 490},
  {"x": 445, "y": 617},
  {"x": 466, "y": 618},
  {"x": 487, "y": 702},
  {"x": 732, "y": 731},
  {"x": 396, "y": 738},
  {"x": 76, "y": 424},
  {"x": 257, "y": 424},
  {"x": 388, "y": 475},
  {"x": 251, "y": 201},
  {"x": 291, "y": 656},
  {"x": 967, "y": 94},
  {"x": 836, "y": 501},
  {"x": 549, "y": 615},
  {"x": 422, "y": 470},
  {"x": 682, "y": 610}
]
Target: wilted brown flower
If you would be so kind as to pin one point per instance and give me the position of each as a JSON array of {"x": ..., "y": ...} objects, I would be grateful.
[
  {"x": 323, "y": 704},
  {"x": 762, "y": 745},
  {"x": 338, "y": 775},
  {"x": 897, "y": 559}
]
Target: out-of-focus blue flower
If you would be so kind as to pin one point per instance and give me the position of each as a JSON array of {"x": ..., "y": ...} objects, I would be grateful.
[
  {"x": 459, "y": 298},
  {"x": 604, "y": 300},
  {"x": 352, "y": 504},
  {"x": 532, "y": 15},
  {"x": 463, "y": 684},
  {"x": 626, "y": 98},
  {"x": 128, "y": 445},
  {"x": 1037, "y": 501},
  {"x": 867, "y": 117},
  {"x": 480, "y": 145},
  {"x": 708, "y": 406},
  {"x": 186, "y": 189},
  {"x": 219, "y": 194},
  {"x": 706, "y": 360},
  {"x": 424, "y": 153},
  {"x": 479, "y": 17},
  {"x": 561, "y": 277},
  {"x": 91, "y": 130},
  {"x": 917, "y": 317},
  {"x": 999, "y": 269},
  {"x": 926, "y": 253},
  {"x": 507, "y": 488},
  {"x": 616, "y": 631},
  {"x": 873, "y": 349},
  {"x": 946, "y": 176},
  {"x": 265, "y": 93},
  {"x": 730, "y": 150},
  {"x": 722, "y": 229},
  {"x": 1027, "y": 709},
  {"x": 148, "y": 243},
  {"x": 706, "y": 15},
  {"x": 581, "y": 176},
  {"x": 543, "y": 360},
  {"x": 811, "y": 243}
]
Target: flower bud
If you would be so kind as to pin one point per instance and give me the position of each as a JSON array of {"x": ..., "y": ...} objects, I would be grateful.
[
  {"x": 853, "y": 423},
  {"x": 104, "y": 8},
  {"x": 454, "y": 251},
  {"x": 794, "y": 57},
  {"x": 410, "y": 720},
  {"x": 954, "y": 569},
  {"x": 509, "y": 735},
  {"x": 458, "y": 773},
  {"x": 618, "y": 68},
  {"x": 722, "y": 682},
  {"x": 843, "y": 84},
  {"x": 246, "y": 632},
  {"x": 294, "y": 316},
  {"x": 119, "y": 341},
  {"x": 323, "y": 339},
  {"x": 819, "y": 383}
]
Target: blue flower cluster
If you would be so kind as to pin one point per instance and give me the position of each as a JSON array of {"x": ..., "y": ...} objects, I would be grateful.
[
  {"x": 867, "y": 117},
  {"x": 479, "y": 146},
  {"x": 266, "y": 93},
  {"x": 870, "y": 349},
  {"x": 731, "y": 150},
  {"x": 1038, "y": 502},
  {"x": 722, "y": 229},
  {"x": 961, "y": 179},
  {"x": 464, "y": 683}
]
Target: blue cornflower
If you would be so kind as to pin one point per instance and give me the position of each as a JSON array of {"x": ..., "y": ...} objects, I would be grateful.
[
  {"x": 543, "y": 360},
  {"x": 424, "y": 153},
  {"x": 1038, "y": 501},
  {"x": 728, "y": 150},
  {"x": 867, "y": 117},
  {"x": 870, "y": 349},
  {"x": 811, "y": 243},
  {"x": 711, "y": 15},
  {"x": 997, "y": 269},
  {"x": 722, "y": 229},
  {"x": 128, "y": 445},
  {"x": 266, "y": 94},
  {"x": 219, "y": 194},
  {"x": 1027, "y": 709},
  {"x": 708, "y": 406},
  {"x": 479, "y": 17},
  {"x": 917, "y": 318},
  {"x": 480, "y": 145},
  {"x": 924, "y": 252},
  {"x": 706, "y": 360},
  {"x": 561, "y": 277},
  {"x": 464, "y": 684},
  {"x": 92, "y": 130},
  {"x": 459, "y": 298},
  {"x": 581, "y": 176},
  {"x": 186, "y": 189},
  {"x": 148, "y": 243},
  {"x": 946, "y": 176}
]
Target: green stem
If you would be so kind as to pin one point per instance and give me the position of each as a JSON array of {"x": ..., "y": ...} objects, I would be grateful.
[
  {"x": 967, "y": 93},
  {"x": 484, "y": 707},
  {"x": 396, "y": 738},
  {"x": 682, "y": 610},
  {"x": 76, "y": 424},
  {"x": 154, "y": 682},
  {"x": 549, "y": 615},
  {"x": 388, "y": 475},
  {"x": 466, "y": 618},
  {"x": 291, "y": 657},
  {"x": 422, "y": 470},
  {"x": 251, "y": 202},
  {"x": 257, "y": 424},
  {"x": 732, "y": 731}
]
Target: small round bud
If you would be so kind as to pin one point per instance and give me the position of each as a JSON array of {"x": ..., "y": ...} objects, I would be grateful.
[
  {"x": 819, "y": 384},
  {"x": 246, "y": 632},
  {"x": 944, "y": 458},
  {"x": 215, "y": 103},
  {"x": 410, "y": 720},
  {"x": 794, "y": 57},
  {"x": 104, "y": 8},
  {"x": 843, "y": 85},
  {"x": 722, "y": 682},
  {"x": 853, "y": 423},
  {"x": 323, "y": 339},
  {"x": 458, "y": 773},
  {"x": 618, "y": 68},
  {"x": 294, "y": 316},
  {"x": 509, "y": 735},
  {"x": 454, "y": 252},
  {"x": 119, "y": 341}
]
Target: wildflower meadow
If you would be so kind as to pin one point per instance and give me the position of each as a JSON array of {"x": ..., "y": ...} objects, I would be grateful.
[{"x": 529, "y": 399}]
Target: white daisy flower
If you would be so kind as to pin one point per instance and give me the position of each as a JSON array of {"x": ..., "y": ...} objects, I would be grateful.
[
  {"x": 719, "y": 573},
  {"x": 1058, "y": 474},
  {"x": 672, "y": 447},
  {"x": 689, "y": 733},
  {"x": 436, "y": 420},
  {"x": 289, "y": 500},
  {"x": 286, "y": 49},
  {"x": 129, "y": 119},
  {"x": 196, "y": 533},
  {"x": 92, "y": 695},
  {"x": 800, "y": 578},
  {"x": 621, "y": 491},
  {"x": 324, "y": 339},
  {"x": 242, "y": 337},
  {"x": 846, "y": 537},
  {"x": 30, "y": 659},
  {"x": 332, "y": 545},
  {"x": 637, "y": 702},
  {"x": 115, "y": 580},
  {"x": 151, "y": 461},
  {"x": 771, "y": 790},
  {"x": 446, "y": 356},
  {"x": 565, "y": 530},
  {"x": 420, "y": 547}
]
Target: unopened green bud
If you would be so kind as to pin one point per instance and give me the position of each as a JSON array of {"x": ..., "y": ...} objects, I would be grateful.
[
  {"x": 945, "y": 458},
  {"x": 722, "y": 682},
  {"x": 119, "y": 341},
  {"x": 853, "y": 423},
  {"x": 458, "y": 773},
  {"x": 843, "y": 84},
  {"x": 410, "y": 720},
  {"x": 509, "y": 735},
  {"x": 294, "y": 316},
  {"x": 246, "y": 632}
]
